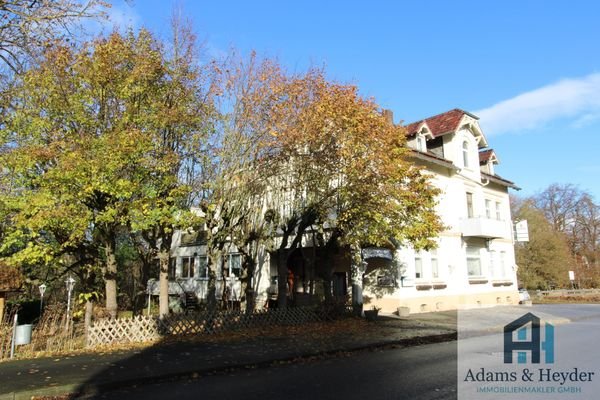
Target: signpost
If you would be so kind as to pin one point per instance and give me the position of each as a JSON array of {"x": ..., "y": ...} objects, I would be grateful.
[
  {"x": 521, "y": 231},
  {"x": 70, "y": 282},
  {"x": 572, "y": 279},
  {"x": 42, "y": 288}
]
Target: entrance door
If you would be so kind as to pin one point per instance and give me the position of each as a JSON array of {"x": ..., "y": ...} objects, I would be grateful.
[{"x": 340, "y": 284}]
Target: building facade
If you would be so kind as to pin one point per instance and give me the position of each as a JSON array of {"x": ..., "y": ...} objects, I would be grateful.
[
  {"x": 474, "y": 263},
  {"x": 472, "y": 266}
]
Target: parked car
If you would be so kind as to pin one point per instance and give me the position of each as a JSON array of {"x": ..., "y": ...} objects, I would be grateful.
[{"x": 523, "y": 295}]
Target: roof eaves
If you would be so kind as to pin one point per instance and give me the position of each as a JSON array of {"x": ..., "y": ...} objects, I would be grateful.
[
  {"x": 430, "y": 157},
  {"x": 501, "y": 181}
]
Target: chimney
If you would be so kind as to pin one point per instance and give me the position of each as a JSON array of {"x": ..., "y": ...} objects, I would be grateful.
[{"x": 388, "y": 115}]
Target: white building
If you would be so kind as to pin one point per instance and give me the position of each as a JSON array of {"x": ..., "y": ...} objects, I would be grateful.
[{"x": 473, "y": 265}]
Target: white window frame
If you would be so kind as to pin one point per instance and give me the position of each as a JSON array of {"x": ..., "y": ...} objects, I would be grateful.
[
  {"x": 494, "y": 271},
  {"x": 470, "y": 205},
  {"x": 473, "y": 254},
  {"x": 421, "y": 143},
  {"x": 230, "y": 269},
  {"x": 202, "y": 268},
  {"x": 488, "y": 208},
  {"x": 465, "y": 153},
  {"x": 191, "y": 266},
  {"x": 498, "y": 211},
  {"x": 502, "y": 263},
  {"x": 435, "y": 264},
  {"x": 419, "y": 266}
]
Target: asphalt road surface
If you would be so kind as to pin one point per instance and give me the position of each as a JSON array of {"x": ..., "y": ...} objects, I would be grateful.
[{"x": 418, "y": 373}]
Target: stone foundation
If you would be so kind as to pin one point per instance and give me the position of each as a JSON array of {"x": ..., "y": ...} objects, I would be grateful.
[{"x": 443, "y": 303}]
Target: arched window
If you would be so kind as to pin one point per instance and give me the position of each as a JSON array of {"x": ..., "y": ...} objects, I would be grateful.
[{"x": 465, "y": 154}]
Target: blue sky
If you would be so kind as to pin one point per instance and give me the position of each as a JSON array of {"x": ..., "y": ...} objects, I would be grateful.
[{"x": 529, "y": 69}]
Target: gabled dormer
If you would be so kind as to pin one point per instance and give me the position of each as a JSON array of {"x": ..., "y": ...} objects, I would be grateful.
[
  {"x": 422, "y": 135},
  {"x": 487, "y": 160},
  {"x": 454, "y": 135}
]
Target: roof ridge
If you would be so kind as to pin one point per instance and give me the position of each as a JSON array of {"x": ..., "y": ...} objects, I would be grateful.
[{"x": 436, "y": 115}]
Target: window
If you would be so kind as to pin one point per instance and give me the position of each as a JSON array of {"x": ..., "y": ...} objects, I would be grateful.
[
  {"x": 434, "y": 264},
  {"x": 234, "y": 265},
  {"x": 473, "y": 261},
  {"x": 465, "y": 154},
  {"x": 493, "y": 267},
  {"x": 421, "y": 143},
  {"x": 503, "y": 263},
  {"x": 202, "y": 267},
  {"x": 498, "y": 213},
  {"x": 418, "y": 266},
  {"x": 469, "y": 205},
  {"x": 436, "y": 146},
  {"x": 172, "y": 267},
  {"x": 187, "y": 267},
  {"x": 488, "y": 208}
]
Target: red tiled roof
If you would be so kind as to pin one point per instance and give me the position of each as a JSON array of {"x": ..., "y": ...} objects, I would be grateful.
[
  {"x": 485, "y": 155},
  {"x": 439, "y": 124}
]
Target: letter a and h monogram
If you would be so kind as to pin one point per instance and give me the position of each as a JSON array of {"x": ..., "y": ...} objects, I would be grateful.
[{"x": 535, "y": 345}]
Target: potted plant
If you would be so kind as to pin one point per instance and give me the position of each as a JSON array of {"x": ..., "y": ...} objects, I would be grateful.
[{"x": 371, "y": 315}]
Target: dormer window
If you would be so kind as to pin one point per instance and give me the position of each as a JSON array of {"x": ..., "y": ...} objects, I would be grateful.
[
  {"x": 465, "y": 154},
  {"x": 487, "y": 159}
]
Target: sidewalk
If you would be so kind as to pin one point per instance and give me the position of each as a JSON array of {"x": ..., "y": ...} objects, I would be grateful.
[{"x": 95, "y": 372}]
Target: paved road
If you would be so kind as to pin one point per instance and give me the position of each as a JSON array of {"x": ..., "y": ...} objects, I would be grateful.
[
  {"x": 575, "y": 352},
  {"x": 418, "y": 373}
]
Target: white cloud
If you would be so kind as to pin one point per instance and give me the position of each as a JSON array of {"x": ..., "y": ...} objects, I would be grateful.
[
  {"x": 120, "y": 16},
  {"x": 124, "y": 16},
  {"x": 578, "y": 99}
]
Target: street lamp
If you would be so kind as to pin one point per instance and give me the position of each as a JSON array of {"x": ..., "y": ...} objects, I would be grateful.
[
  {"x": 70, "y": 284},
  {"x": 42, "y": 288}
]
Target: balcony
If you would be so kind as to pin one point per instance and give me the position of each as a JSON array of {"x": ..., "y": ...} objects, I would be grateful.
[{"x": 484, "y": 228}]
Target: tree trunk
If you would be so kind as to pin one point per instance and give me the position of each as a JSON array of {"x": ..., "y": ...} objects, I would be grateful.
[
  {"x": 282, "y": 272},
  {"x": 89, "y": 311},
  {"x": 357, "y": 269},
  {"x": 141, "y": 288},
  {"x": 211, "y": 292},
  {"x": 1, "y": 307},
  {"x": 163, "y": 282},
  {"x": 249, "y": 289},
  {"x": 110, "y": 278}
]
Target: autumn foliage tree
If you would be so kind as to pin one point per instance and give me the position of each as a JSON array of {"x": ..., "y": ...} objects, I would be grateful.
[
  {"x": 98, "y": 138},
  {"x": 28, "y": 27},
  {"x": 544, "y": 261},
  {"x": 119, "y": 138},
  {"x": 343, "y": 171}
]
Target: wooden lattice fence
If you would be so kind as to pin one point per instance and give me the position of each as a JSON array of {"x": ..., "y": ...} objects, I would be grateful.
[{"x": 148, "y": 328}]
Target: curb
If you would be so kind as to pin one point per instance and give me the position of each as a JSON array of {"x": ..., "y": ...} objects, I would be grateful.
[{"x": 91, "y": 389}]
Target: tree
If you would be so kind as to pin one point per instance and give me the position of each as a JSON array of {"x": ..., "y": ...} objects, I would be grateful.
[
  {"x": 573, "y": 212},
  {"x": 28, "y": 27},
  {"x": 545, "y": 260},
  {"x": 235, "y": 184},
  {"x": 98, "y": 138},
  {"x": 343, "y": 171},
  {"x": 182, "y": 118}
]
